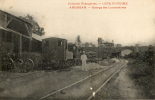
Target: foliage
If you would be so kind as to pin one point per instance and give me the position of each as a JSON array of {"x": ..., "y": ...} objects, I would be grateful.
[
  {"x": 142, "y": 69},
  {"x": 35, "y": 28},
  {"x": 142, "y": 75}
]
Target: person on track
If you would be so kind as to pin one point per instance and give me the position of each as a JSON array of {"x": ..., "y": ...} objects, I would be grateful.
[{"x": 84, "y": 61}]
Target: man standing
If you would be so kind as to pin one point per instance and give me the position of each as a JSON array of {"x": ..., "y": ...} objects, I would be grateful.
[{"x": 84, "y": 61}]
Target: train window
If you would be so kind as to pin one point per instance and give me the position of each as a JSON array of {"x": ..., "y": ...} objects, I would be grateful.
[
  {"x": 59, "y": 43},
  {"x": 74, "y": 47}
]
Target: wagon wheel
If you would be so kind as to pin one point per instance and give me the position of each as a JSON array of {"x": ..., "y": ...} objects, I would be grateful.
[
  {"x": 69, "y": 63},
  {"x": 10, "y": 65},
  {"x": 7, "y": 64},
  {"x": 19, "y": 65},
  {"x": 29, "y": 65}
]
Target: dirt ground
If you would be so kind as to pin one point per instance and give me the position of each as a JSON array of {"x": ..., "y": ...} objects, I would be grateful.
[
  {"x": 125, "y": 86},
  {"x": 41, "y": 83}
]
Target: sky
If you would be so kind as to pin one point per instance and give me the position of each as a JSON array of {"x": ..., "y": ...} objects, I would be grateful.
[{"x": 135, "y": 24}]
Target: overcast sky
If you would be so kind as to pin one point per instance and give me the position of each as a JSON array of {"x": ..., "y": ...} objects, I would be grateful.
[{"x": 136, "y": 24}]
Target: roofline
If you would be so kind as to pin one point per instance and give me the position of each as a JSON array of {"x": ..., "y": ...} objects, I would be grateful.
[
  {"x": 16, "y": 17},
  {"x": 37, "y": 38},
  {"x": 54, "y": 38},
  {"x": 7, "y": 29}
]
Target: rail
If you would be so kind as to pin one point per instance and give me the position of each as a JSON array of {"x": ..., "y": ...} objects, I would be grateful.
[{"x": 75, "y": 83}]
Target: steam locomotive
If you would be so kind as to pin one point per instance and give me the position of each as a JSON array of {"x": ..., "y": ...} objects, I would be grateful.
[{"x": 56, "y": 52}]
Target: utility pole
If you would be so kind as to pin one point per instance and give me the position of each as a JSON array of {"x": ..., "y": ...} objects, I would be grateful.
[{"x": 99, "y": 42}]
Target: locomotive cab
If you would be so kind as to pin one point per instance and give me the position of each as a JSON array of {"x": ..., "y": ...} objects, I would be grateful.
[{"x": 54, "y": 52}]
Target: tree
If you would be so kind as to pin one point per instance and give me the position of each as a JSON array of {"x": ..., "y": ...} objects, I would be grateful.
[{"x": 35, "y": 26}]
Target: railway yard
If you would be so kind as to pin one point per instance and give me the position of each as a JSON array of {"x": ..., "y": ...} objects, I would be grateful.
[
  {"x": 72, "y": 84},
  {"x": 112, "y": 81},
  {"x": 35, "y": 68}
]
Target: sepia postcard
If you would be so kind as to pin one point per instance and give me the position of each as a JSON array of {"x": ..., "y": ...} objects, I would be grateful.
[{"x": 77, "y": 49}]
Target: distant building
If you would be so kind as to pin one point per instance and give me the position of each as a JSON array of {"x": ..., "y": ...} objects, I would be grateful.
[
  {"x": 102, "y": 43},
  {"x": 126, "y": 52},
  {"x": 107, "y": 44},
  {"x": 88, "y": 44},
  {"x": 118, "y": 45}
]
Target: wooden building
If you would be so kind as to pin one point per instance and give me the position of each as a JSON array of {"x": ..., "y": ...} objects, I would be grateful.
[{"x": 15, "y": 33}]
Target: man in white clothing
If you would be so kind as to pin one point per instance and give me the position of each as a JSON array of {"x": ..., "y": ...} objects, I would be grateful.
[{"x": 84, "y": 61}]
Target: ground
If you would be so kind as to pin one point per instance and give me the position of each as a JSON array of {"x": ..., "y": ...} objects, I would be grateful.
[
  {"x": 135, "y": 81},
  {"x": 36, "y": 84}
]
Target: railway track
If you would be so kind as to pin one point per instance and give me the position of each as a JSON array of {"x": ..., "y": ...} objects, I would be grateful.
[
  {"x": 105, "y": 82},
  {"x": 87, "y": 80}
]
